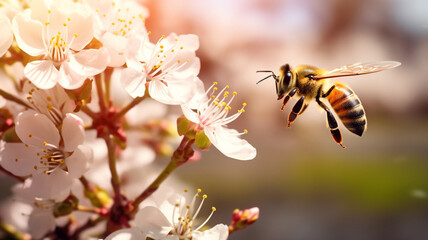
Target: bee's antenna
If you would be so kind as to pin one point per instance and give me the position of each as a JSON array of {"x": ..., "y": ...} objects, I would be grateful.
[{"x": 269, "y": 71}]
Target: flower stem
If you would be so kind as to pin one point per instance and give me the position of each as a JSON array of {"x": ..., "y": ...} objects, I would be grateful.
[
  {"x": 13, "y": 98},
  {"x": 180, "y": 156},
  {"x": 128, "y": 107},
  {"x": 115, "y": 181},
  {"x": 99, "y": 79},
  {"x": 88, "y": 112}
]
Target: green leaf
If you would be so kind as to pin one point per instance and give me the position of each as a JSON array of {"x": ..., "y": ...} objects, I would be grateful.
[
  {"x": 98, "y": 197},
  {"x": 202, "y": 141}
]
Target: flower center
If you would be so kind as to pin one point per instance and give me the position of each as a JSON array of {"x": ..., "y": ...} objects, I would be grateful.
[
  {"x": 49, "y": 158},
  {"x": 122, "y": 21},
  {"x": 186, "y": 214},
  {"x": 43, "y": 103},
  {"x": 216, "y": 109},
  {"x": 164, "y": 60},
  {"x": 57, "y": 44}
]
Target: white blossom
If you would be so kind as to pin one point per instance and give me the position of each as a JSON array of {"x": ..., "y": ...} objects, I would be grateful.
[
  {"x": 211, "y": 114},
  {"x": 57, "y": 32}
]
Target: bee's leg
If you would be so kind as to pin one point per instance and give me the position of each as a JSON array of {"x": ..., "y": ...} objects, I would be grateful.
[
  {"x": 296, "y": 109},
  {"x": 289, "y": 95},
  {"x": 332, "y": 123},
  {"x": 328, "y": 91}
]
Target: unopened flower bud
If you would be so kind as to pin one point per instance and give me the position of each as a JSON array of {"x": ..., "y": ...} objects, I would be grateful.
[{"x": 243, "y": 218}]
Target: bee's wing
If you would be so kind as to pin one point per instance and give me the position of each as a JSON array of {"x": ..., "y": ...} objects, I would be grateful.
[{"x": 358, "y": 69}]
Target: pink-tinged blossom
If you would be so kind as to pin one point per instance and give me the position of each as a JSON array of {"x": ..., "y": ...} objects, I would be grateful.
[
  {"x": 6, "y": 38},
  {"x": 50, "y": 157},
  {"x": 120, "y": 27},
  {"x": 57, "y": 32},
  {"x": 168, "y": 69},
  {"x": 211, "y": 114},
  {"x": 173, "y": 219}
]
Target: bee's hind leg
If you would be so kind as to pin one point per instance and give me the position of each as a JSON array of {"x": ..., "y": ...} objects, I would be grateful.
[
  {"x": 332, "y": 123},
  {"x": 295, "y": 111}
]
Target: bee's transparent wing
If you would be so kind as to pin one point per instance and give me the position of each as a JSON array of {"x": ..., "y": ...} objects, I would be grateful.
[{"x": 358, "y": 69}]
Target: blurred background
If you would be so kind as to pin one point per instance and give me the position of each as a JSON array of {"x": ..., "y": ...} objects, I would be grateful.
[{"x": 306, "y": 186}]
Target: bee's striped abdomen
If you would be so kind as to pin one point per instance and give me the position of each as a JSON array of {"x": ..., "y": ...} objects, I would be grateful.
[{"x": 348, "y": 108}]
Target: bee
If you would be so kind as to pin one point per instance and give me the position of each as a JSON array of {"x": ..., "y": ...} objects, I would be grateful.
[{"x": 309, "y": 82}]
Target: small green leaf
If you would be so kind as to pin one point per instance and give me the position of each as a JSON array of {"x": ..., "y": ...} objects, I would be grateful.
[
  {"x": 98, "y": 197},
  {"x": 66, "y": 207},
  {"x": 202, "y": 141}
]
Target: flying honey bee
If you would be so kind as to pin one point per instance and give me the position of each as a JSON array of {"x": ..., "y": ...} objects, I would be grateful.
[{"x": 308, "y": 82}]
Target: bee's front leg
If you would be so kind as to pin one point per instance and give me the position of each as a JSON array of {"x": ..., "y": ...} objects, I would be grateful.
[
  {"x": 289, "y": 95},
  {"x": 296, "y": 109}
]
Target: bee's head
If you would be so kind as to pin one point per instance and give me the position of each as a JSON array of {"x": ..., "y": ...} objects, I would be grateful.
[{"x": 282, "y": 81}]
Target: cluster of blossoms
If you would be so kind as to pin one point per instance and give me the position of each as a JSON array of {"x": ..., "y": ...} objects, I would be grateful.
[{"x": 83, "y": 98}]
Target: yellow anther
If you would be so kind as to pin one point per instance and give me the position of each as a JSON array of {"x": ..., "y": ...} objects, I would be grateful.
[
  {"x": 45, "y": 143},
  {"x": 49, "y": 11},
  {"x": 181, "y": 48},
  {"x": 229, "y": 107},
  {"x": 177, "y": 205},
  {"x": 223, "y": 104},
  {"x": 163, "y": 36},
  {"x": 215, "y": 88},
  {"x": 26, "y": 145},
  {"x": 204, "y": 196},
  {"x": 244, "y": 104},
  {"x": 30, "y": 135},
  {"x": 199, "y": 190},
  {"x": 215, "y": 83},
  {"x": 187, "y": 60},
  {"x": 64, "y": 24},
  {"x": 35, "y": 167},
  {"x": 47, "y": 23},
  {"x": 187, "y": 206},
  {"x": 197, "y": 195},
  {"x": 172, "y": 50},
  {"x": 212, "y": 96},
  {"x": 227, "y": 86},
  {"x": 214, "y": 209},
  {"x": 75, "y": 35},
  {"x": 235, "y": 93},
  {"x": 245, "y": 131},
  {"x": 16, "y": 159},
  {"x": 150, "y": 32},
  {"x": 176, "y": 39},
  {"x": 185, "y": 190}
]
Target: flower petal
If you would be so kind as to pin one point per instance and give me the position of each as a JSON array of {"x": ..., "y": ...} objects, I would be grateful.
[
  {"x": 34, "y": 129},
  {"x": 56, "y": 185},
  {"x": 28, "y": 34},
  {"x": 78, "y": 163},
  {"x": 134, "y": 82},
  {"x": 69, "y": 79},
  {"x": 152, "y": 222},
  {"x": 218, "y": 232},
  {"x": 89, "y": 62},
  {"x": 228, "y": 142},
  {"x": 6, "y": 38},
  {"x": 42, "y": 73},
  {"x": 72, "y": 132},
  {"x": 19, "y": 159},
  {"x": 127, "y": 234},
  {"x": 40, "y": 222}
]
